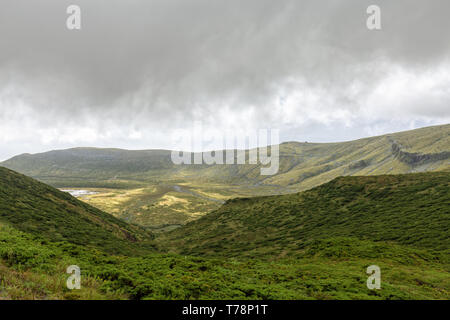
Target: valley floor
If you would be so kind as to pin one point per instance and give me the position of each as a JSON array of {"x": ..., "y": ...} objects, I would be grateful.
[{"x": 166, "y": 206}]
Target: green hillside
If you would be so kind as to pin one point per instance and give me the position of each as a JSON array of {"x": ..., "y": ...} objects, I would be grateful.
[
  {"x": 299, "y": 246},
  {"x": 411, "y": 210},
  {"x": 302, "y": 165},
  {"x": 146, "y": 188},
  {"x": 39, "y": 209},
  {"x": 31, "y": 268}
]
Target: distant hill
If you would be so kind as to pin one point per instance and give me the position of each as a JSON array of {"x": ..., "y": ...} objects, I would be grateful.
[
  {"x": 146, "y": 188},
  {"x": 302, "y": 165},
  {"x": 33, "y": 207},
  {"x": 391, "y": 210},
  {"x": 89, "y": 164}
]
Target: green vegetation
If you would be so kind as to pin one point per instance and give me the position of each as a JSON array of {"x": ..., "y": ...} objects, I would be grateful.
[
  {"x": 408, "y": 210},
  {"x": 33, "y": 268},
  {"x": 146, "y": 178},
  {"x": 157, "y": 207},
  {"x": 315, "y": 244},
  {"x": 302, "y": 165},
  {"x": 36, "y": 208}
]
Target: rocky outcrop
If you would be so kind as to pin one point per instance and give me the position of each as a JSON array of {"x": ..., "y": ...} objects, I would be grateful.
[{"x": 416, "y": 158}]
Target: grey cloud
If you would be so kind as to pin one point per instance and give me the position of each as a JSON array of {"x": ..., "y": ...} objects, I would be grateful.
[{"x": 167, "y": 61}]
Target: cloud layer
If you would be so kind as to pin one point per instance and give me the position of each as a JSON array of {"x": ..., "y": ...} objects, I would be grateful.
[{"x": 140, "y": 69}]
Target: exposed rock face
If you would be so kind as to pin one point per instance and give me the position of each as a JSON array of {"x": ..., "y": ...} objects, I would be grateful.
[
  {"x": 417, "y": 158},
  {"x": 359, "y": 164}
]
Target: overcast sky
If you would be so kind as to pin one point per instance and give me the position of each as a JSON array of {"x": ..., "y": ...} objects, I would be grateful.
[{"x": 138, "y": 70}]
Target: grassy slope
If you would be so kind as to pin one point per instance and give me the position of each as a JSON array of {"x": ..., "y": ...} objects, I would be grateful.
[
  {"x": 32, "y": 266},
  {"x": 138, "y": 184},
  {"x": 36, "y": 208},
  {"x": 408, "y": 210},
  {"x": 302, "y": 165}
]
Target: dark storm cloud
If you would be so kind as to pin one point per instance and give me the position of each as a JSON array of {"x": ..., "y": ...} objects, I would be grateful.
[{"x": 164, "y": 62}]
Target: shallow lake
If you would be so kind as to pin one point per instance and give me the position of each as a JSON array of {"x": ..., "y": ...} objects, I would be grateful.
[{"x": 79, "y": 193}]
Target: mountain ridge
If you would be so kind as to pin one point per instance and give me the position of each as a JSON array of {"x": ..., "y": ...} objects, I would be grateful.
[
  {"x": 391, "y": 153},
  {"x": 146, "y": 188}
]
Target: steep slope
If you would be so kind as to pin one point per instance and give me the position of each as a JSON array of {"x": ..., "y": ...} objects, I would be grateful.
[
  {"x": 429, "y": 150},
  {"x": 38, "y": 209},
  {"x": 411, "y": 210}
]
